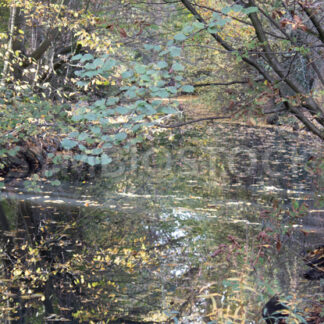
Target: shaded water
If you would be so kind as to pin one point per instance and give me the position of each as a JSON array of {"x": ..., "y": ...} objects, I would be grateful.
[{"x": 205, "y": 226}]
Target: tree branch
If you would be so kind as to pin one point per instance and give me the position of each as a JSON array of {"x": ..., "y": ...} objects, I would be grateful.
[
  {"x": 316, "y": 22},
  {"x": 312, "y": 106},
  {"x": 38, "y": 53},
  {"x": 193, "y": 121},
  {"x": 224, "y": 44},
  {"x": 235, "y": 18},
  {"x": 226, "y": 83}
]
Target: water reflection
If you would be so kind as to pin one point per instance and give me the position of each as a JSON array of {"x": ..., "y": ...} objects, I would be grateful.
[{"x": 182, "y": 232}]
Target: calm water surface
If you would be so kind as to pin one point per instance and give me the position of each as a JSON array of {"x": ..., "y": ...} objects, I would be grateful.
[{"x": 202, "y": 228}]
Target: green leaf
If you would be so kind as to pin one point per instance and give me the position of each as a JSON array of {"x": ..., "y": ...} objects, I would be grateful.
[
  {"x": 86, "y": 57},
  {"x": 161, "y": 93},
  {"x": 109, "y": 64},
  {"x": 81, "y": 157},
  {"x": 180, "y": 37},
  {"x": 147, "y": 109},
  {"x": 250, "y": 10},
  {"x": 188, "y": 29},
  {"x": 161, "y": 83},
  {"x": 172, "y": 90},
  {"x": 82, "y": 136},
  {"x": 168, "y": 110},
  {"x": 216, "y": 17},
  {"x": 96, "y": 151},
  {"x": 166, "y": 75},
  {"x": 95, "y": 129},
  {"x": 68, "y": 144},
  {"x": 76, "y": 57},
  {"x": 48, "y": 173},
  {"x": 148, "y": 47},
  {"x": 97, "y": 63},
  {"x": 226, "y": 10},
  {"x": 91, "y": 116},
  {"x": 140, "y": 69},
  {"x": 106, "y": 138},
  {"x": 162, "y": 64},
  {"x": 130, "y": 94},
  {"x": 122, "y": 110},
  {"x": 237, "y": 8},
  {"x": 112, "y": 101},
  {"x": 139, "y": 103},
  {"x": 127, "y": 74},
  {"x": 175, "y": 51},
  {"x": 151, "y": 72},
  {"x": 2, "y": 185},
  {"x": 198, "y": 25},
  {"x": 109, "y": 112},
  {"x": 55, "y": 183},
  {"x": 164, "y": 52},
  {"x": 177, "y": 67},
  {"x": 145, "y": 78},
  {"x": 12, "y": 152},
  {"x": 105, "y": 159},
  {"x": 74, "y": 134},
  {"x": 120, "y": 136},
  {"x": 188, "y": 88},
  {"x": 91, "y": 160},
  {"x": 90, "y": 74},
  {"x": 82, "y": 83},
  {"x": 223, "y": 21},
  {"x": 136, "y": 127},
  {"x": 213, "y": 30},
  {"x": 100, "y": 103},
  {"x": 107, "y": 145},
  {"x": 156, "y": 102},
  {"x": 90, "y": 66},
  {"x": 138, "y": 139}
]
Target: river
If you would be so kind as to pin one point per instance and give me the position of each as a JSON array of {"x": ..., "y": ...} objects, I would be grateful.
[{"x": 203, "y": 226}]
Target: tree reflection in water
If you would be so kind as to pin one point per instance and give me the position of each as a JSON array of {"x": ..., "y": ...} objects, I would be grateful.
[{"x": 199, "y": 239}]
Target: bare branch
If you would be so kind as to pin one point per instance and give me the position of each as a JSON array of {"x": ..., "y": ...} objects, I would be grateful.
[
  {"x": 314, "y": 19},
  {"x": 226, "y": 83},
  {"x": 193, "y": 121}
]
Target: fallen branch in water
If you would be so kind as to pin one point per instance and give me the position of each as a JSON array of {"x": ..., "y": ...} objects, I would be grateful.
[
  {"x": 193, "y": 121},
  {"x": 226, "y": 83}
]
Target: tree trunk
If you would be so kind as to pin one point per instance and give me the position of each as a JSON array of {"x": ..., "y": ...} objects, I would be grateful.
[{"x": 8, "y": 56}]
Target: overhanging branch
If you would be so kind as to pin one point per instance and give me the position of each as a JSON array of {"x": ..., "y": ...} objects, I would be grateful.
[{"x": 224, "y": 44}]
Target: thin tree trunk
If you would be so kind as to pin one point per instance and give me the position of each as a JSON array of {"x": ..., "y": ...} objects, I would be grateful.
[{"x": 8, "y": 56}]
